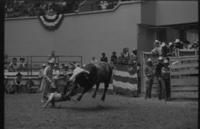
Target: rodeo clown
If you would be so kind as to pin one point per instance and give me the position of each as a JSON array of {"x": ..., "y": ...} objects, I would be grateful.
[{"x": 48, "y": 84}]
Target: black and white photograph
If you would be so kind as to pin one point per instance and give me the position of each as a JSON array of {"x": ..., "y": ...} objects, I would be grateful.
[{"x": 100, "y": 64}]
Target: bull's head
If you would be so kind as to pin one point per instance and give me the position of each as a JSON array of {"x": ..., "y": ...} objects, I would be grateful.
[{"x": 79, "y": 81}]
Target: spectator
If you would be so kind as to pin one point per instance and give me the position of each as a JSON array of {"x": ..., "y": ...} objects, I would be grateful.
[
  {"x": 171, "y": 48},
  {"x": 17, "y": 83},
  {"x": 56, "y": 71},
  {"x": 62, "y": 69},
  {"x": 133, "y": 57},
  {"x": 104, "y": 58},
  {"x": 13, "y": 65},
  {"x": 157, "y": 48},
  {"x": 165, "y": 72},
  {"x": 159, "y": 78},
  {"x": 126, "y": 56},
  {"x": 178, "y": 44},
  {"x": 164, "y": 50},
  {"x": 94, "y": 60},
  {"x": 113, "y": 58},
  {"x": 22, "y": 65},
  {"x": 149, "y": 73},
  {"x": 103, "y": 4}
]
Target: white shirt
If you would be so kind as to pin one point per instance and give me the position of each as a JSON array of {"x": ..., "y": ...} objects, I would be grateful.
[{"x": 77, "y": 71}]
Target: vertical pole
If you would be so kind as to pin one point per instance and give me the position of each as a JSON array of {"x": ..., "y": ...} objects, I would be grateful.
[{"x": 31, "y": 66}]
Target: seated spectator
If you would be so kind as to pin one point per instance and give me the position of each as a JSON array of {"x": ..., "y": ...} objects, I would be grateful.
[
  {"x": 103, "y": 4},
  {"x": 22, "y": 65},
  {"x": 13, "y": 65},
  {"x": 104, "y": 58},
  {"x": 157, "y": 48},
  {"x": 17, "y": 83},
  {"x": 94, "y": 60},
  {"x": 113, "y": 58}
]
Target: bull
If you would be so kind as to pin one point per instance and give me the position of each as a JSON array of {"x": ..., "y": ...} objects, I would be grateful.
[{"x": 92, "y": 74}]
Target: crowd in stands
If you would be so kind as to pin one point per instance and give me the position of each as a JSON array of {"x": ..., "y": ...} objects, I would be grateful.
[
  {"x": 15, "y": 64},
  {"x": 125, "y": 58},
  {"x": 18, "y": 8},
  {"x": 29, "y": 8},
  {"x": 170, "y": 49}
]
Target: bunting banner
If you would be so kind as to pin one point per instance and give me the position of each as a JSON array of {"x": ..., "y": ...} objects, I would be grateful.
[
  {"x": 51, "y": 21},
  {"x": 125, "y": 80}
]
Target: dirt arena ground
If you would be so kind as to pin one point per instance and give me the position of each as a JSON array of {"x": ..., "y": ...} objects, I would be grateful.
[{"x": 24, "y": 111}]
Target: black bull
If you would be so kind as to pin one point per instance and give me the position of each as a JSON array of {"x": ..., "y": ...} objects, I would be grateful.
[{"x": 98, "y": 73}]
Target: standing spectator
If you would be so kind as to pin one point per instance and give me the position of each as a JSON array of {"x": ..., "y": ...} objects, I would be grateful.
[
  {"x": 164, "y": 49},
  {"x": 133, "y": 57},
  {"x": 56, "y": 71},
  {"x": 171, "y": 49},
  {"x": 104, "y": 58},
  {"x": 62, "y": 69},
  {"x": 165, "y": 71},
  {"x": 149, "y": 73},
  {"x": 94, "y": 60},
  {"x": 126, "y": 56},
  {"x": 113, "y": 58},
  {"x": 158, "y": 76},
  {"x": 13, "y": 65},
  {"x": 157, "y": 48},
  {"x": 178, "y": 44}
]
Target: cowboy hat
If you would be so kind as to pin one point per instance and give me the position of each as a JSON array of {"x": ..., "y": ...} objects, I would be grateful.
[
  {"x": 51, "y": 61},
  {"x": 18, "y": 74}
]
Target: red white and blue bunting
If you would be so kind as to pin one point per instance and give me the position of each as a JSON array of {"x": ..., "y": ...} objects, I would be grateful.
[
  {"x": 125, "y": 80},
  {"x": 51, "y": 22}
]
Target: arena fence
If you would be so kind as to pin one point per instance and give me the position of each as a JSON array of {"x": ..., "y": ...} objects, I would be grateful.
[
  {"x": 184, "y": 77},
  {"x": 187, "y": 52},
  {"x": 184, "y": 74},
  {"x": 34, "y": 64},
  {"x": 125, "y": 80}
]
